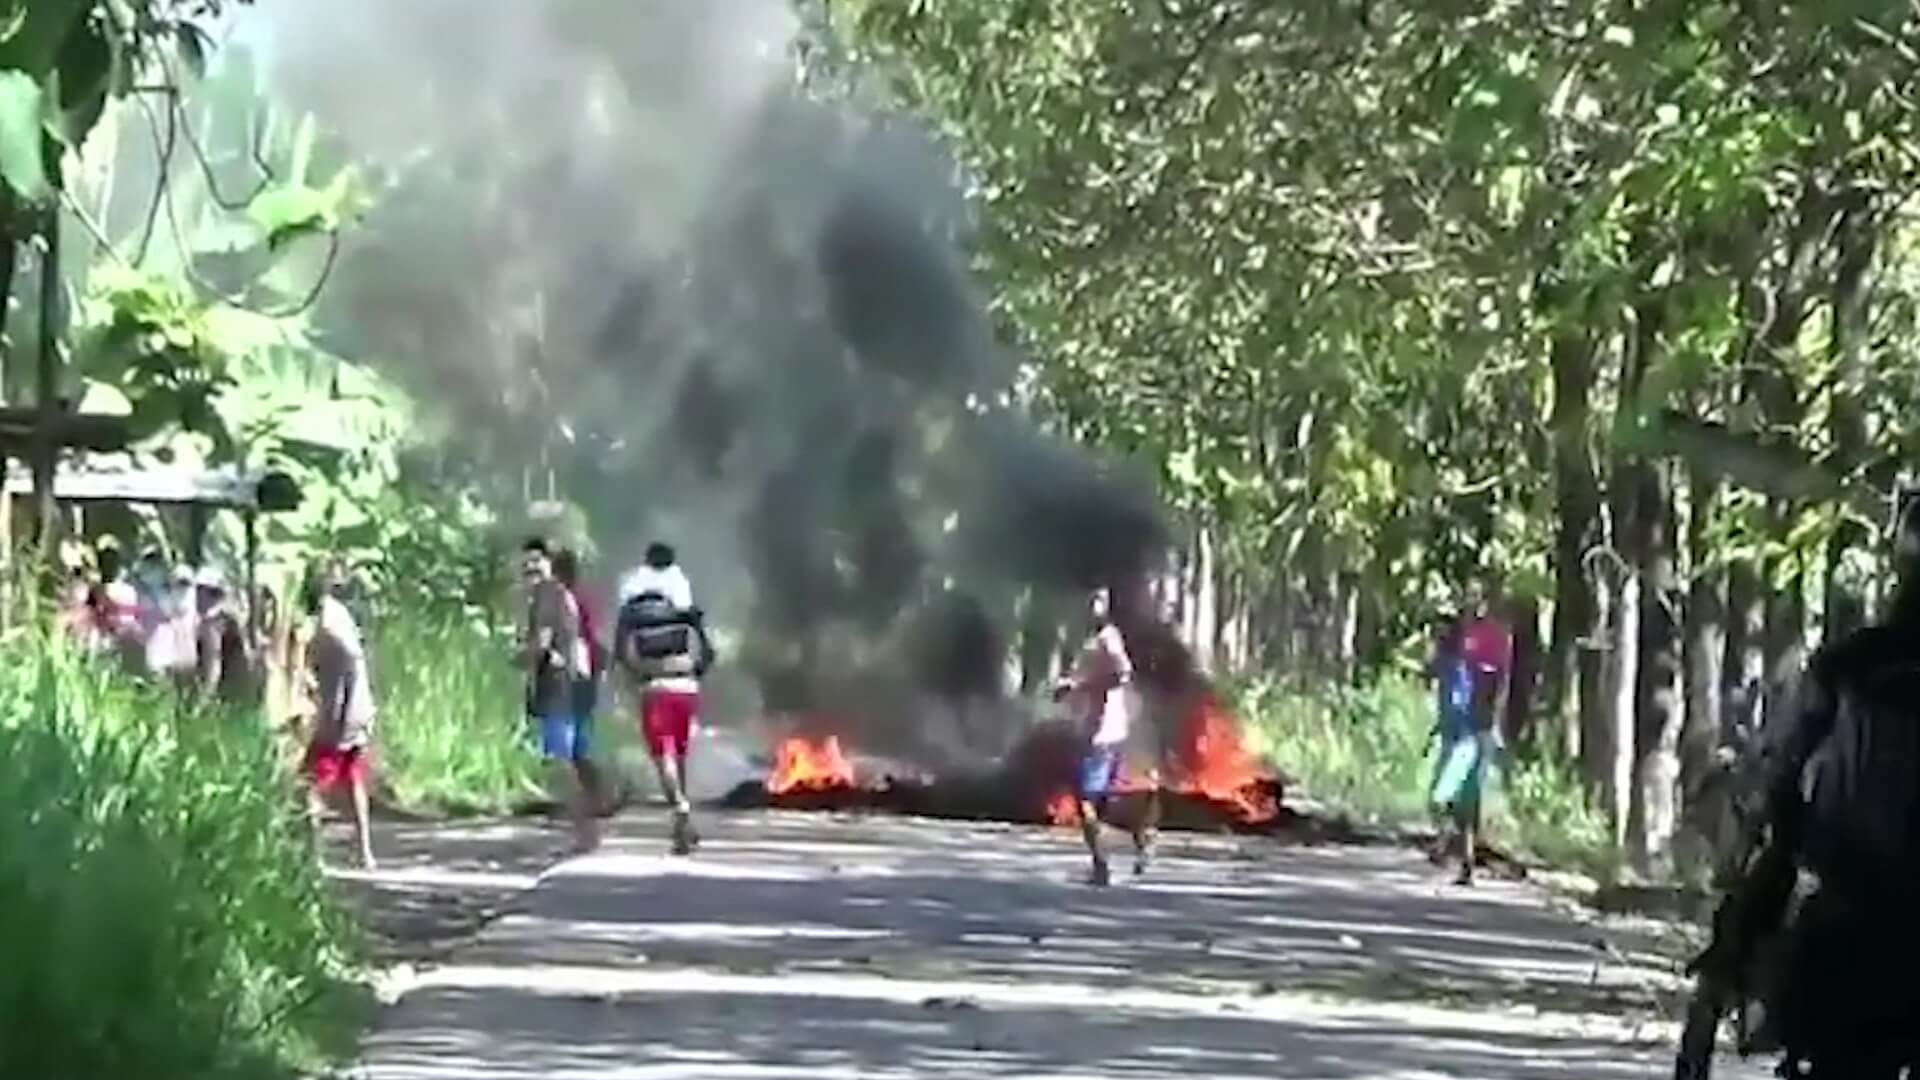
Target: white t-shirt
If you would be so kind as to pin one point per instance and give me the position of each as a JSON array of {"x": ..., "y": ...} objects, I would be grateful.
[
  {"x": 1103, "y": 679},
  {"x": 344, "y": 692},
  {"x": 670, "y": 582}
]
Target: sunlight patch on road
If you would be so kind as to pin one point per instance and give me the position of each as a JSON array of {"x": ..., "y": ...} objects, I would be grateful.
[{"x": 1280, "y": 1007}]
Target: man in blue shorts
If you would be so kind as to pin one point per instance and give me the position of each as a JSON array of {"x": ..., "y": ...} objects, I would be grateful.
[
  {"x": 554, "y": 654},
  {"x": 1100, "y": 694}
]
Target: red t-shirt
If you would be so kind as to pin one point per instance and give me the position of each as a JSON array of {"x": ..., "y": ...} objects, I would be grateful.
[
  {"x": 1486, "y": 645},
  {"x": 589, "y": 629}
]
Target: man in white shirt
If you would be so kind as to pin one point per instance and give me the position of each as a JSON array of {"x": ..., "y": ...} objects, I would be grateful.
[
  {"x": 341, "y": 739},
  {"x": 662, "y": 648},
  {"x": 1100, "y": 693}
]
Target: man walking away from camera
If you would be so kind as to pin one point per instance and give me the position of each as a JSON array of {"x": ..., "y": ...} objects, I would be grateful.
[
  {"x": 554, "y": 656},
  {"x": 661, "y": 644},
  {"x": 341, "y": 738}
]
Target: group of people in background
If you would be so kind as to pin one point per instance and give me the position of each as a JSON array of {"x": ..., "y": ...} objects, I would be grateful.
[
  {"x": 162, "y": 620},
  {"x": 658, "y": 650}
]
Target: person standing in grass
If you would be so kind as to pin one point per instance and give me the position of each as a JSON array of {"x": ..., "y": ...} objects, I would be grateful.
[
  {"x": 340, "y": 741},
  {"x": 1474, "y": 664},
  {"x": 586, "y": 697},
  {"x": 553, "y": 654},
  {"x": 662, "y": 646},
  {"x": 1100, "y": 694},
  {"x": 224, "y": 650}
]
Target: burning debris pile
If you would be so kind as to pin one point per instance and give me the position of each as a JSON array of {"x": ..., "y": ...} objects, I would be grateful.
[{"x": 1211, "y": 782}]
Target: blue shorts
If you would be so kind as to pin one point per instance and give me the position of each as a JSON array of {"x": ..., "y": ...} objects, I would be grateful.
[
  {"x": 564, "y": 736},
  {"x": 1099, "y": 769},
  {"x": 1461, "y": 776}
]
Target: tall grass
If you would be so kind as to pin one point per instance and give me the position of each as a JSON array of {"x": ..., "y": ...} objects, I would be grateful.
[
  {"x": 453, "y": 734},
  {"x": 162, "y": 913},
  {"x": 1370, "y": 752}
]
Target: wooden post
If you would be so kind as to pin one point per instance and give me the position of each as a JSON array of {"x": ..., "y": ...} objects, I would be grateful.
[
  {"x": 44, "y": 451},
  {"x": 253, "y": 576},
  {"x": 197, "y": 535}
]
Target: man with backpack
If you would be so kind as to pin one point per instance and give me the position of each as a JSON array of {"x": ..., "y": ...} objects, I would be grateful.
[
  {"x": 661, "y": 644},
  {"x": 1833, "y": 964}
]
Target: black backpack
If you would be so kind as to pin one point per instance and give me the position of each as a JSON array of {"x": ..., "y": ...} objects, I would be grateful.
[
  {"x": 1863, "y": 821},
  {"x": 658, "y": 638}
]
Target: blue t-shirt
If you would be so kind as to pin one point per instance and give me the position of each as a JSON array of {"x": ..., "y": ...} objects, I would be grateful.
[{"x": 1456, "y": 698}]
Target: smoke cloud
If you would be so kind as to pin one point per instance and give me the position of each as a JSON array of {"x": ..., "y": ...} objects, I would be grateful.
[{"x": 741, "y": 311}]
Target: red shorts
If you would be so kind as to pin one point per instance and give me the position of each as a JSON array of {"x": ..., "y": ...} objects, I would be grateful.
[
  {"x": 666, "y": 718},
  {"x": 334, "y": 766}
]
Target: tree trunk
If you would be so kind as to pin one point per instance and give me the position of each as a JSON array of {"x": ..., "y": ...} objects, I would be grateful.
[
  {"x": 1577, "y": 502},
  {"x": 1785, "y": 636},
  {"x": 1744, "y": 667},
  {"x": 1039, "y": 643},
  {"x": 1843, "y": 607},
  {"x": 1660, "y": 716},
  {"x": 1622, "y": 693},
  {"x": 1204, "y": 624},
  {"x": 1346, "y": 592},
  {"x": 1703, "y": 645},
  {"x": 1522, "y": 731}
]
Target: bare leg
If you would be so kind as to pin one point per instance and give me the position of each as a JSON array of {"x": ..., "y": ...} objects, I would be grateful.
[
  {"x": 1090, "y": 832},
  {"x": 1146, "y": 830},
  {"x": 587, "y": 773},
  {"x": 672, "y": 773},
  {"x": 569, "y": 792},
  {"x": 317, "y": 818},
  {"x": 362, "y": 824},
  {"x": 1469, "y": 830}
]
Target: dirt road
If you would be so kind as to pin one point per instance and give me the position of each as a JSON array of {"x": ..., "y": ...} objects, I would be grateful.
[{"x": 808, "y": 946}]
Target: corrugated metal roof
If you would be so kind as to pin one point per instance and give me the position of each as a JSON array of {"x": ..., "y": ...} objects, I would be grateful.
[{"x": 94, "y": 482}]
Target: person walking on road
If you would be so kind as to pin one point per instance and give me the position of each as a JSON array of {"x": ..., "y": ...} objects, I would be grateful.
[
  {"x": 340, "y": 740},
  {"x": 554, "y": 655},
  {"x": 586, "y": 688},
  {"x": 662, "y": 647},
  {"x": 1473, "y": 663},
  {"x": 1100, "y": 695}
]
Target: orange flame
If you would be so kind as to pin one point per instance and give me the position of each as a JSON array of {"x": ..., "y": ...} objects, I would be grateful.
[
  {"x": 1211, "y": 760},
  {"x": 803, "y": 764},
  {"x": 1063, "y": 809}
]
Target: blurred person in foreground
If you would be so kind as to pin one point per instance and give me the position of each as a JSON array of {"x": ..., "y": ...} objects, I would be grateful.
[
  {"x": 662, "y": 647},
  {"x": 553, "y": 653},
  {"x": 340, "y": 738},
  {"x": 1099, "y": 694},
  {"x": 1820, "y": 927}
]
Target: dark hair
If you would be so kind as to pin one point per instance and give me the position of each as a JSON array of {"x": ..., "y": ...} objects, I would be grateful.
[
  {"x": 108, "y": 560},
  {"x": 566, "y": 566},
  {"x": 535, "y": 546},
  {"x": 659, "y": 555}
]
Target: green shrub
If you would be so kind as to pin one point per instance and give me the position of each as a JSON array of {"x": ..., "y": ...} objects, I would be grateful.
[
  {"x": 162, "y": 913},
  {"x": 1369, "y": 751}
]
